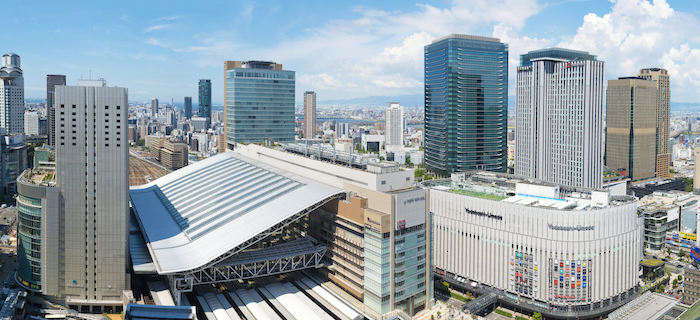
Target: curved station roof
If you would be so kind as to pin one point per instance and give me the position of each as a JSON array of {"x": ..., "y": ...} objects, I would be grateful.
[{"x": 200, "y": 212}]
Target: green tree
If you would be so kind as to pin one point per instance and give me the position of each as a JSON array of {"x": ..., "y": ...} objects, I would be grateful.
[
  {"x": 680, "y": 277},
  {"x": 141, "y": 142},
  {"x": 432, "y": 317},
  {"x": 536, "y": 316},
  {"x": 668, "y": 250},
  {"x": 681, "y": 253},
  {"x": 688, "y": 184},
  {"x": 675, "y": 282}
]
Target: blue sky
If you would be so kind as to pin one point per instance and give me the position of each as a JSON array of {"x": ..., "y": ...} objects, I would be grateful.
[{"x": 341, "y": 50}]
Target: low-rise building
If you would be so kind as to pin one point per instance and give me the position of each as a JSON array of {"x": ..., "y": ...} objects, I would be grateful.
[{"x": 170, "y": 154}]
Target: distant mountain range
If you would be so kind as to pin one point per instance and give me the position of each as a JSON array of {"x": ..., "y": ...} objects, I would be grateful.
[{"x": 685, "y": 107}]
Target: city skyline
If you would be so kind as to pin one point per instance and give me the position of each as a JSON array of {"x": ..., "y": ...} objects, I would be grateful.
[{"x": 380, "y": 52}]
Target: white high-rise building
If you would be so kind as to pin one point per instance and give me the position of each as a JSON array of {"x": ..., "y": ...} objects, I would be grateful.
[
  {"x": 11, "y": 94},
  {"x": 309, "y": 114},
  {"x": 31, "y": 123},
  {"x": 559, "y": 117},
  {"x": 394, "y": 124},
  {"x": 342, "y": 130},
  {"x": 154, "y": 108},
  {"x": 92, "y": 168}
]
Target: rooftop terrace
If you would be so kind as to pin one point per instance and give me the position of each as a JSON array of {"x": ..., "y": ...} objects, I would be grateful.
[
  {"x": 42, "y": 176},
  {"x": 527, "y": 192}
]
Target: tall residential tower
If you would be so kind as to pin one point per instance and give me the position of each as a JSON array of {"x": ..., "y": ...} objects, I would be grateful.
[
  {"x": 52, "y": 80},
  {"x": 631, "y": 127},
  {"x": 205, "y": 98},
  {"x": 154, "y": 108},
  {"x": 663, "y": 109},
  {"x": 309, "y": 114},
  {"x": 11, "y": 94},
  {"x": 393, "y": 116},
  {"x": 559, "y": 117},
  {"x": 259, "y": 102},
  {"x": 466, "y": 104}
]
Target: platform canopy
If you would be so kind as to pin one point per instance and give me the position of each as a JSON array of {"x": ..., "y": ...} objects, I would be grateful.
[{"x": 195, "y": 215}]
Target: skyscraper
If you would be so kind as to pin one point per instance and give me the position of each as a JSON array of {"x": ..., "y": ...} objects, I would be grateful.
[
  {"x": 205, "y": 98},
  {"x": 559, "y": 117},
  {"x": 309, "y": 114},
  {"x": 11, "y": 94},
  {"x": 663, "y": 109},
  {"x": 188, "y": 107},
  {"x": 631, "y": 127},
  {"x": 466, "y": 104},
  {"x": 393, "y": 117},
  {"x": 259, "y": 102},
  {"x": 31, "y": 123},
  {"x": 52, "y": 80},
  {"x": 154, "y": 108},
  {"x": 83, "y": 249}
]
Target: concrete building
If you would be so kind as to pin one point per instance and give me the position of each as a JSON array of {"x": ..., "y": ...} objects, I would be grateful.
[
  {"x": 31, "y": 123},
  {"x": 373, "y": 142},
  {"x": 564, "y": 252},
  {"x": 188, "y": 107},
  {"x": 259, "y": 102},
  {"x": 342, "y": 130},
  {"x": 11, "y": 94},
  {"x": 204, "y": 98},
  {"x": 154, "y": 108},
  {"x": 221, "y": 143},
  {"x": 14, "y": 160},
  {"x": 83, "y": 258},
  {"x": 663, "y": 212},
  {"x": 52, "y": 80},
  {"x": 170, "y": 154},
  {"x": 663, "y": 116},
  {"x": 631, "y": 128},
  {"x": 691, "y": 286},
  {"x": 466, "y": 104},
  {"x": 199, "y": 123},
  {"x": 394, "y": 120},
  {"x": 309, "y": 114},
  {"x": 562, "y": 145}
]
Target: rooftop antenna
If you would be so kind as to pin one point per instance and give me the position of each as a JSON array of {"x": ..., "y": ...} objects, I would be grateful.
[{"x": 90, "y": 73}]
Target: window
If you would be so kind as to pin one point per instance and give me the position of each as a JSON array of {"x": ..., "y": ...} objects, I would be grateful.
[{"x": 383, "y": 182}]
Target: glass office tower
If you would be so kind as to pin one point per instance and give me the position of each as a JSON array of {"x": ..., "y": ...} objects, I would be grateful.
[
  {"x": 259, "y": 102},
  {"x": 466, "y": 104},
  {"x": 205, "y": 98}
]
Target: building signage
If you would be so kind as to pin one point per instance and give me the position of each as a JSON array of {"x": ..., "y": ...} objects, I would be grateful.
[
  {"x": 372, "y": 221},
  {"x": 689, "y": 236},
  {"x": 401, "y": 224},
  {"x": 412, "y": 200},
  {"x": 570, "y": 228},
  {"x": 565, "y": 297},
  {"x": 482, "y": 214}
]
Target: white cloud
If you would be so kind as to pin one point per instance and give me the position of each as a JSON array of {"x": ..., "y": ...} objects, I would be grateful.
[
  {"x": 517, "y": 45},
  {"x": 155, "y": 42},
  {"x": 157, "y": 27},
  {"x": 637, "y": 34},
  {"x": 683, "y": 65},
  {"x": 323, "y": 81},
  {"x": 379, "y": 52}
]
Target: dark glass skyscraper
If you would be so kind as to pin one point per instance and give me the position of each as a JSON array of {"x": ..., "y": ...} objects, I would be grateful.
[
  {"x": 259, "y": 102},
  {"x": 466, "y": 104},
  {"x": 52, "y": 80},
  {"x": 205, "y": 98},
  {"x": 188, "y": 107}
]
